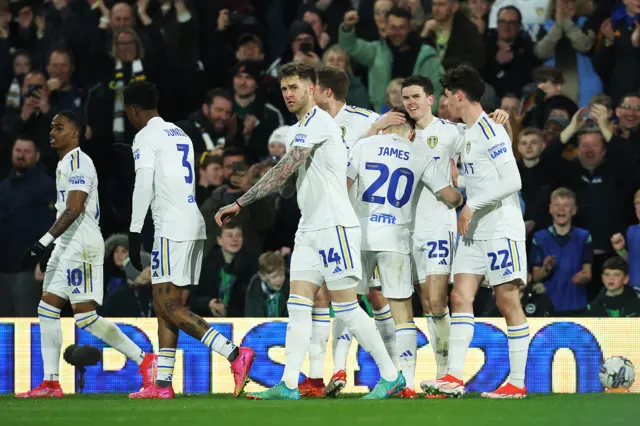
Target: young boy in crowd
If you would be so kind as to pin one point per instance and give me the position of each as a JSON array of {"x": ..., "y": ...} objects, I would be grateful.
[
  {"x": 269, "y": 288},
  {"x": 617, "y": 299},
  {"x": 562, "y": 255},
  {"x": 630, "y": 254}
]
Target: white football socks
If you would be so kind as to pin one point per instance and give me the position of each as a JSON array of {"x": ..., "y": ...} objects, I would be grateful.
[
  {"x": 320, "y": 329},
  {"x": 218, "y": 343},
  {"x": 387, "y": 329},
  {"x": 439, "y": 328},
  {"x": 166, "y": 361},
  {"x": 462, "y": 327},
  {"x": 518, "y": 350},
  {"x": 109, "y": 333},
  {"x": 406, "y": 340},
  {"x": 363, "y": 329},
  {"x": 341, "y": 341},
  {"x": 298, "y": 338},
  {"x": 50, "y": 340}
]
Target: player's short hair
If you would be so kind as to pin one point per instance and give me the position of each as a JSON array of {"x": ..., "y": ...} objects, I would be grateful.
[
  {"x": 616, "y": 263},
  {"x": 563, "y": 192},
  {"x": 270, "y": 262},
  {"x": 601, "y": 99},
  {"x": 232, "y": 224},
  {"x": 141, "y": 94},
  {"x": 409, "y": 121},
  {"x": 400, "y": 12},
  {"x": 419, "y": 80},
  {"x": 212, "y": 94},
  {"x": 334, "y": 79},
  {"x": 76, "y": 120},
  {"x": 300, "y": 70},
  {"x": 466, "y": 79},
  {"x": 528, "y": 131},
  {"x": 546, "y": 74}
]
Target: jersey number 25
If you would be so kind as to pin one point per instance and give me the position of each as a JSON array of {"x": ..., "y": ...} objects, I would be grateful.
[{"x": 394, "y": 180}]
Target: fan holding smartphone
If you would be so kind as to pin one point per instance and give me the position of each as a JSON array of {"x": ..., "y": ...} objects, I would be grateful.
[{"x": 304, "y": 44}]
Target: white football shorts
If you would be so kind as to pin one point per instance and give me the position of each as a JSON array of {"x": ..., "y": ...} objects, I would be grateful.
[
  {"x": 433, "y": 252},
  {"x": 326, "y": 255},
  {"x": 500, "y": 261},
  {"x": 394, "y": 273},
  {"x": 74, "y": 280},
  {"x": 176, "y": 262}
]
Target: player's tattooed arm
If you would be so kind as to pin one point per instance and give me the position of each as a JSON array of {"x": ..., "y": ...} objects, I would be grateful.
[
  {"x": 75, "y": 207},
  {"x": 275, "y": 178},
  {"x": 289, "y": 188}
]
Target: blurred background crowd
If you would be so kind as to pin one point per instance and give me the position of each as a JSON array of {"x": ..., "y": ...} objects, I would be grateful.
[{"x": 567, "y": 72}]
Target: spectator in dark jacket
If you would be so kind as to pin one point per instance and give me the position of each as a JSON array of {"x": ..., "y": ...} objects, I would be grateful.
[
  {"x": 268, "y": 290},
  {"x": 616, "y": 299},
  {"x": 509, "y": 53},
  {"x": 64, "y": 94},
  {"x": 225, "y": 277},
  {"x": 27, "y": 210}
]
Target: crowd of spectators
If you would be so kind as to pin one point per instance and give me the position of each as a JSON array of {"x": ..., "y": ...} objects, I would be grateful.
[{"x": 566, "y": 71}]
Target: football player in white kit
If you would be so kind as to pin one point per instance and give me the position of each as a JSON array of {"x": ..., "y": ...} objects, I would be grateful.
[
  {"x": 327, "y": 243},
  {"x": 330, "y": 94},
  {"x": 163, "y": 156},
  {"x": 493, "y": 243},
  {"x": 73, "y": 273},
  {"x": 387, "y": 169}
]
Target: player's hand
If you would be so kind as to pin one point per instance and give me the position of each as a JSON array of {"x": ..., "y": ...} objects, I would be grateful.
[
  {"x": 548, "y": 263},
  {"x": 33, "y": 254},
  {"x": 135, "y": 245},
  {"x": 455, "y": 173},
  {"x": 618, "y": 242},
  {"x": 351, "y": 18},
  {"x": 44, "y": 259},
  {"x": 500, "y": 117},
  {"x": 464, "y": 219},
  {"x": 580, "y": 278},
  {"x": 226, "y": 213},
  {"x": 389, "y": 119}
]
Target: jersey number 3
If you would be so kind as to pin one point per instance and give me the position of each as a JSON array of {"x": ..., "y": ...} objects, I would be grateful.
[
  {"x": 184, "y": 148},
  {"x": 369, "y": 195}
]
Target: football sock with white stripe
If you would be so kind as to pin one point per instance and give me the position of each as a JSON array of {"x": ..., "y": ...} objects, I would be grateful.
[
  {"x": 462, "y": 327},
  {"x": 50, "y": 340},
  {"x": 166, "y": 361},
  {"x": 387, "y": 329},
  {"x": 440, "y": 340},
  {"x": 109, "y": 333},
  {"x": 518, "y": 350},
  {"x": 298, "y": 338},
  {"x": 320, "y": 329},
  {"x": 363, "y": 329},
  {"x": 406, "y": 340},
  {"x": 219, "y": 344},
  {"x": 341, "y": 343}
]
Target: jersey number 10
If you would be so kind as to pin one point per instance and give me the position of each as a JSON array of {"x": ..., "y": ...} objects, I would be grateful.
[
  {"x": 394, "y": 180},
  {"x": 184, "y": 148}
]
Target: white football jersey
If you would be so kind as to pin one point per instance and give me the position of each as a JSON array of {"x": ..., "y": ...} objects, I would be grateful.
[
  {"x": 437, "y": 141},
  {"x": 534, "y": 13},
  {"x": 165, "y": 148},
  {"x": 322, "y": 180},
  {"x": 486, "y": 146},
  {"x": 354, "y": 122},
  {"x": 386, "y": 169},
  {"x": 82, "y": 241}
]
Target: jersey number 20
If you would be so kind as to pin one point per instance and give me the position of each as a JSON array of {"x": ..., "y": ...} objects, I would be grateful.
[
  {"x": 184, "y": 148},
  {"x": 369, "y": 195}
]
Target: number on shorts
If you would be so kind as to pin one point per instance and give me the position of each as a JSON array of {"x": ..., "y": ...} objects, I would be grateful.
[
  {"x": 441, "y": 246},
  {"x": 332, "y": 257},
  {"x": 156, "y": 260},
  {"x": 74, "y": 277},
  {"x": 394, "y": 180},
  {"x": 184, "y": 148},
  {"x": 494, "y": 260}
]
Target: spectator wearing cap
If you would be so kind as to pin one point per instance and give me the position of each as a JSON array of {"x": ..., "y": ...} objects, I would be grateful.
[
  {"x": 400, "y": 54},
  {"x": 278, "y": 143},
  {"x": 616, "y": 58},
  {"x": 210, "y": 176},
  {"x": 453, "y": 35},
  {"x": 211, "y": 127},
  {"x": 509, "y": 54},
  {"x": 256, "y": 119},
  {"x": 564, "y": 43},
  {"x": 303, "y": 46},
  {"x": 336, "y": 57}
]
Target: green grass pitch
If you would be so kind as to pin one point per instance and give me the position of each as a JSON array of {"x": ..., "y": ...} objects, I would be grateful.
[{"x": 223, "y": 410}]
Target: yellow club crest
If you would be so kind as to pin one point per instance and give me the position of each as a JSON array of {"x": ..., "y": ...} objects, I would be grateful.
[
  {"x": 540, "y": 11},
  {"x": 344, "y": 130},
  {"x": 468, "y": 146},
  {"x": 432, "y": 141},
  {"x": 58, "y": 175}
]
